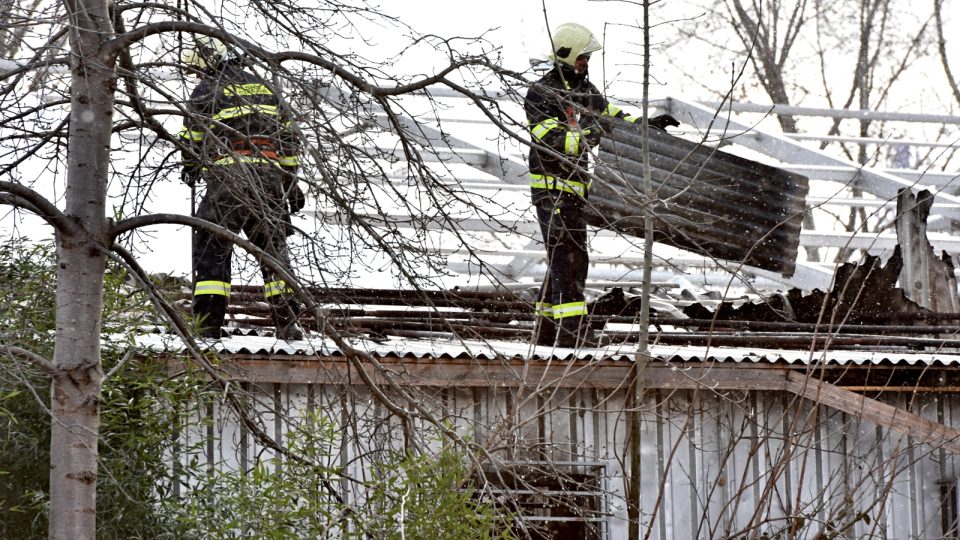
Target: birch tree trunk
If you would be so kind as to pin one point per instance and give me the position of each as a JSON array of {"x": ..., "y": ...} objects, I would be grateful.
[{"x": 76, "y": 387}]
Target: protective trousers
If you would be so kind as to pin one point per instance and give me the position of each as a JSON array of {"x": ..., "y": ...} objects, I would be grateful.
[
  {"x": 565, "y": 236},
  {"x": 248, "y": 198}
]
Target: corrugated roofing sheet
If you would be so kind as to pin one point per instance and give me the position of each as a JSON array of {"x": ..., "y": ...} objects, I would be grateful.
[
  {"x": 705, "y": 200},
  {"x": 266, "y": 347}
]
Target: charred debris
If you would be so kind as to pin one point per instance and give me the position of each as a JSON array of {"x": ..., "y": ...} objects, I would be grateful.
[{"x": 865, "y": 308}]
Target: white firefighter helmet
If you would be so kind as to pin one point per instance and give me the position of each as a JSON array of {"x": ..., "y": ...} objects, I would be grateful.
[
  {"x": 207, "y": 52},
  {"x": 570, "y": 40}
]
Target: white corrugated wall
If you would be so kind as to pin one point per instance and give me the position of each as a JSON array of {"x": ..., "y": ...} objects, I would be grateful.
[{"x": 713, "y": 464}]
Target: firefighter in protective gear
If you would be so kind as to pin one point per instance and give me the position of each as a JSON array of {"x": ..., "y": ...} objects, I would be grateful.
[
  {"x": 207, "y": 53},
  {"x": 238, "y": 141},
  {"x": 563, "y": 110}
]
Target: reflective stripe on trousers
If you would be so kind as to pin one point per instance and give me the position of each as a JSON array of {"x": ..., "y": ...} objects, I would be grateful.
[
  {"x": 570, "y": 309},
  {"x": 275, "y": 288},
  {"x": 219, "y": 288}
]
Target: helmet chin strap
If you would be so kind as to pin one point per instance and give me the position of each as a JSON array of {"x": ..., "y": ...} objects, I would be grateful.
[{"x": 571, "y": 74}]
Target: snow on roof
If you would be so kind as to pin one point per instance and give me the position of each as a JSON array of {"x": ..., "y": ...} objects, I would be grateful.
[{"x": 260, "y": 345}]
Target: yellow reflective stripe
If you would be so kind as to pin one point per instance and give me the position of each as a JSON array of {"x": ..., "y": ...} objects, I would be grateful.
[
  {"x": 571, "y": 145},
  {"x": 251, "y": 89},
  {"x": 571, "y": 309},
  {"x": 613, "y": 110},
  {"x": 195, "y": 136},
  {"x": 220, "y": 288},
  {"x": 543, "y": 181},
  {"x": 543, "y": 309},
  {"x": 275, "y": 288},
  {"x": 230, "y": 160},
  {"x": 243, "y": 110},
  {"x": 289, "y": 161},
  {"x": 540, "y": 130}
]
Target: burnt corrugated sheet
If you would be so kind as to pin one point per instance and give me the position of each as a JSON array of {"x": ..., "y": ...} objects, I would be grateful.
[
  {"x": 874, "y": 314},
  {"x": 927, "y": 279},
  {"x": 704, "y": 200}
]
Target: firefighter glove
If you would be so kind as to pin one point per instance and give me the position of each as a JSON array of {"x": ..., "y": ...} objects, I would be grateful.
[
  {"x": 593, "y": 135},
  {"x": 661, "y": 122},
  {"x": 297, "y": 199},
  {"x": 190, "y": 175}
]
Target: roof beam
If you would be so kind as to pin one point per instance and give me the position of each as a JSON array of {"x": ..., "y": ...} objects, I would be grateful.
[
  {"x": 523, "y": 225},
  {"x": 855, "y": 114},
  {"x": 878, "y": 183},
  {"x": 532, "y": 373},
  {"x": 505, "y": 166},
  {"x": 900, "y": 421}
]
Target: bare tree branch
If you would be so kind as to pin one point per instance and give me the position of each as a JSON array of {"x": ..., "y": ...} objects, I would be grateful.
[
  {"x": 38, "y": 204},
  {"x": 942, "y": 49},
  {"x": 18, "y": 352}
]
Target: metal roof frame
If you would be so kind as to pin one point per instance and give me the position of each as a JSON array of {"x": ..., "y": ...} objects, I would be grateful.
[{"x": 504, "y": 175}]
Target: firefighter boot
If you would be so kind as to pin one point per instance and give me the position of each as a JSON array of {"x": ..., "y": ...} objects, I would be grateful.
[
  {"x": 575, "y": 333},
  {"x": 285, "y": 317},
  {"x": 568, "y": 329},
  {"x": 591, "y": 338},
  {"x": 209, "y": 310},
  {"x": 545, "y": 331}
]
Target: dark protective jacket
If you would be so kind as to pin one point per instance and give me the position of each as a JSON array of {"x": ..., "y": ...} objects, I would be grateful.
[
  {"x": 238, "y": 139},
  {"x": 563, "y": 110},
  {"x": 235, "y": 116}
]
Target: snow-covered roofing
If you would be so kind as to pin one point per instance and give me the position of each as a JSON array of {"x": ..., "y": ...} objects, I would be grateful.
[{"x": 259, "y": 344}]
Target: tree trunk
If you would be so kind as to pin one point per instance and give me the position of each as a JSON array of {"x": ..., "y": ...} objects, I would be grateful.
[{"x": 75, "y": 390}]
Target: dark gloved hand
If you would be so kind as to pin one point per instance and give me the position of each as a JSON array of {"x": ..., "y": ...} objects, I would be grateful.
[
  {"x": 190, "y": 175},
  {"x": 661, "y": 122},
  {"x": 593, "y": 135},
  {"x": 296, "y": 199},
  {"x": 592, "y": 130}
]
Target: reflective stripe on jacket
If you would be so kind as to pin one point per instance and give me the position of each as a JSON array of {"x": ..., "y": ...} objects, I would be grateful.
[
  {"x": 562, "y": 110},
  {"x": 234, "y": 113}
]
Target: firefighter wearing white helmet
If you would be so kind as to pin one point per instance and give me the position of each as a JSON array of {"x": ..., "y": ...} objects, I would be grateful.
[
  {"x": 237, "y": 139},
  {"x": 562, "y": 110},
  {"x": 206, "y": 54},
  {"x": 570, "y": 41}
]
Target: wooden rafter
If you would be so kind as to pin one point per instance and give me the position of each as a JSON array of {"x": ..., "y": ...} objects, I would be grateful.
[{"x": 531, "y": 374}]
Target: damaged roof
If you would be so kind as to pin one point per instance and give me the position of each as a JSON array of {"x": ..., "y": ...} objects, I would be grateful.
[
  {"x": 872, "y": 322},
  {"x": 847, "y": 314}
]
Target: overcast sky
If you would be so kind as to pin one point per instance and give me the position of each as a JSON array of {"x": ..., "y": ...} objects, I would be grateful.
[
  {"x": 522, "y": 27},
  {"x": 519, "y": 27}
]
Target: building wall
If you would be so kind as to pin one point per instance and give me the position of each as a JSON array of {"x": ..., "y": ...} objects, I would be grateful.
[{"x": 713, "y": 465}]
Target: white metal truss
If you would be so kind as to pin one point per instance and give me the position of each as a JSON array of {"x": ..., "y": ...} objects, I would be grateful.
[
  {"x": 466, "y": 162},
  {"x": 879, "y": 183}
]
